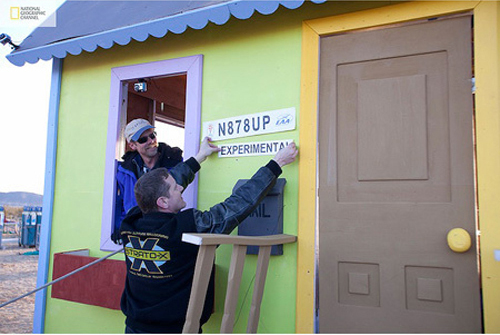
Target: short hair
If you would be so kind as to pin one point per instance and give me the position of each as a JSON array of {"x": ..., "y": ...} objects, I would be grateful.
[{"x": 150, "y": 187}]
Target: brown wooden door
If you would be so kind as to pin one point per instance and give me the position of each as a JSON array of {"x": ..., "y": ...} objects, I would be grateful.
[{"x": 395, "y": 176}]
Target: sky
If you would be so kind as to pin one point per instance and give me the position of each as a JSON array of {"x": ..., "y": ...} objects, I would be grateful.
[{"x": 24, "y": 102}]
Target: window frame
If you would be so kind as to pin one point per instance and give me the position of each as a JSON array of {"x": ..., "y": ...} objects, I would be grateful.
[{"x": 192, "y": 66}]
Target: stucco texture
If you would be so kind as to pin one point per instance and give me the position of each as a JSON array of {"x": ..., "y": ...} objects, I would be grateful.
[{"x": 249, "y": 66}]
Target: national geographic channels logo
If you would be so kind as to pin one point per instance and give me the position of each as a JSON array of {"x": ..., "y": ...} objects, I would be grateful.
[{"x": 28, "y": 13}]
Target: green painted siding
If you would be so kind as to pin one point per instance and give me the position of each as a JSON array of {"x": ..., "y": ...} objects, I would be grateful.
[{"x": 249, "y": 66}]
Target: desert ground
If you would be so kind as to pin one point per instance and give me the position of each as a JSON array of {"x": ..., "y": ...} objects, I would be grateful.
[{"x": 18, "y": 271}]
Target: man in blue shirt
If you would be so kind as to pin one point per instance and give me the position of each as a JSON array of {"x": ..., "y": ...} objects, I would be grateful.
[{"x": 146, "y": 155}]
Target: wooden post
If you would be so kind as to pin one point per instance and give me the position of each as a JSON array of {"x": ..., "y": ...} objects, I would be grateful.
[
  {"x": 202, "y": 271},
  {"x": 233, "y": 287},
  {"x": 204, "y": 263},
  {"x": 258, "y": 290}
]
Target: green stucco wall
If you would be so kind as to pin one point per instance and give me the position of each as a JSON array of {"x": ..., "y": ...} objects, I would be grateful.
[{"x": 249, "y": 66}]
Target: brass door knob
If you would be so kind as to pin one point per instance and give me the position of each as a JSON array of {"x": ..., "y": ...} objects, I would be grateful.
[{"x": 459, "y": 240}]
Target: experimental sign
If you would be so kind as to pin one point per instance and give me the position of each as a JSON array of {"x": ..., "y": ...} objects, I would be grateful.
[
  {"x": 251, "y": 124},
  {"x": 252, "y": 148}
]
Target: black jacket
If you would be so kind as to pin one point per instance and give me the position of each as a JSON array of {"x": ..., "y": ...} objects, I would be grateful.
[
  {"x": 127, "y": 174},
  {"x": 168, "y": 158},
  {"x": 160, "y": 266}
]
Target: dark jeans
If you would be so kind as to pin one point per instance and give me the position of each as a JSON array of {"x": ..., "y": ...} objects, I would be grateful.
[{"x": 129, "y": 330}]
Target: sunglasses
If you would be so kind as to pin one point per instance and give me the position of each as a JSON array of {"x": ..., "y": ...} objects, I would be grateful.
[{"x": 144, "y": 139}]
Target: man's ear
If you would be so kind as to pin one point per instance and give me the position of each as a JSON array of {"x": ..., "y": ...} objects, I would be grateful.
[
  {"x": 132, "y": 145},
  {"x": 162, "y": 202}
]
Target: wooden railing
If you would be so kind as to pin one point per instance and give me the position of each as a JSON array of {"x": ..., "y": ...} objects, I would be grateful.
[{"x": 208, "y": 243}]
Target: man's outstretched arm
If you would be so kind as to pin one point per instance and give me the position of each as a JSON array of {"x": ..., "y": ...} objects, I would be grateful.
[
  {"x": 184, "y": 172},
  {"x": 227, "y": 215}
]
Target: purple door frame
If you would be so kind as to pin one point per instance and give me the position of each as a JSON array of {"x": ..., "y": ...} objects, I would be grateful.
[{"x": 192, "y": 66}]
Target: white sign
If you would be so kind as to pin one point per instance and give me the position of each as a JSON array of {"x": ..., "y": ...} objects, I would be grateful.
[
  {"x": 251, "y": 124},
  {"x": 252, "y": 149}
]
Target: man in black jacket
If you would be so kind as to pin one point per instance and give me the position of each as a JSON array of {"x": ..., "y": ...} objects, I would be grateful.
[
  {"x": 146, "y": 155},
  {"x": 160, "y": 267}
]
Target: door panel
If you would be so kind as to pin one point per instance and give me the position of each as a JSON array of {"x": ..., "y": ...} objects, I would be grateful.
[{"x": 395, "y": 176}]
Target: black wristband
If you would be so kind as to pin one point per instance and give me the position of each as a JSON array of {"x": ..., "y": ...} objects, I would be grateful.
[
  {"x": 274, "y": 167},
  {"x": 193, "y": 164}
]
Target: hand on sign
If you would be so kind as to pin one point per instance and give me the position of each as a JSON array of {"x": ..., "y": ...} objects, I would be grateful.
[
  {"x": 206, "y": 149},
  {"x": 286, "y": 155}
]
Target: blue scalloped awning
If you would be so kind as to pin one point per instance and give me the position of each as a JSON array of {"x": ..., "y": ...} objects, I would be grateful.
[{"x": 88, "y": 25}]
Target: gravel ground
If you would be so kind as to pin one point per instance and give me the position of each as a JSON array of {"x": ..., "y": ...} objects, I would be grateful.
[{"x": 18, "y": 271}]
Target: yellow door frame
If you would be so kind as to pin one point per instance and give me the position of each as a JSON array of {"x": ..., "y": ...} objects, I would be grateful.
[{"x": 487, "y": 72}]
